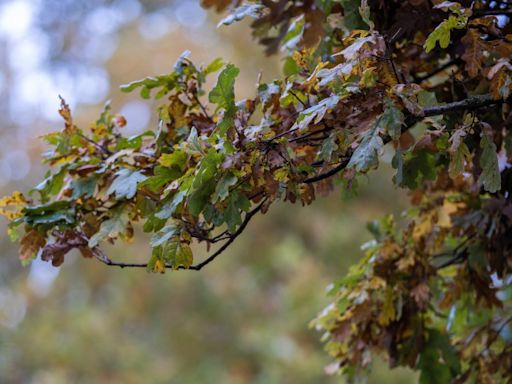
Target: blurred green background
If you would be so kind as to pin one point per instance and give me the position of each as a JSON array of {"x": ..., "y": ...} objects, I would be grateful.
[{"x": 244, "y": 319}]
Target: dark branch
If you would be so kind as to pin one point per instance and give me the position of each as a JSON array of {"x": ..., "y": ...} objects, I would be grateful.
[
  {"x": 436, "y": 71},
  {"x": 471, "y": 103},
  {"x": 491, "y": 12},
  {"x": 105, "y": 260},
  {"x": 340, "y": 167}
]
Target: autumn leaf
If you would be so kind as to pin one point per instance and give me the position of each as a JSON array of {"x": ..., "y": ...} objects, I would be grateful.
[
  {"x": 474, "y": 55},
  {"x": 16, "y": 202},
  {"x": 391, "y": 121},
  {"x": 501, "y": 84},
  {"x": 65, "y": 112},
  {"x": 30, "y": 244},
  {"x": 442, "y": 33},
  {"x": 366, "y": 155},
  {"x": 110, "y": 228},
  {"x": 125, "y": 184},
  {"x": 490, "y": 178},
  {"x": 314, "y": 114}
]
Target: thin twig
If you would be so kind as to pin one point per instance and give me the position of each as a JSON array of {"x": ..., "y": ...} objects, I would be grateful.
[
  {"x": 491, "y": 12},
  {"x": 95, "y": 144},
  {"x": 471, "y": 103},
  {"x": 105, "y": 260},
  {"x": 203, "y": 108},
  {"x": 436, "y": 71}
]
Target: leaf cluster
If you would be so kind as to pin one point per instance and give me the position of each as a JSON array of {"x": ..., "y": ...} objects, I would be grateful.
[{"x": 427, "y": 82}]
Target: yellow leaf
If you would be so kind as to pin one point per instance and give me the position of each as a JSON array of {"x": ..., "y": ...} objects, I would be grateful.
[
  {"x": 16, "y": 202},
  {"x": 387, "y": 313},
  {"x": 445, "y": 212},
  {"x": 159, "y": 266},
  {"x": 406, "y": 261},
  {"x": 377, "y": 282},
  {"x": 422, "y": 227}
]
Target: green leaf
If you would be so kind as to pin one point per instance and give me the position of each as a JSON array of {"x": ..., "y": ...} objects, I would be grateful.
[
  {"x": 398, "y": 164},
  {"x": 328, "y": 147},
  {"x": 162, "y": 176},
  {"x": 52, "y": 185},
  {"x": 204, "y": 182},
  {"x": 164, "y": 235},
  {"x": 112, "y": 228},
  {"x": 13, "y": 229},
  {"x": 214, "y": 66},
  {"x": 46, "y": 208},
  {"x": 125, "y": 184},
  {"x": 153, "y": 224},
  {"x": 290, "y": 67},
  {"x": 66, "y": 216},
  {"x": 222, "y": 188},
  {"x": 315, "y": 113},
  {"x": 167, "y": 82},
  {"x": 176, "y": 159},
  {"x": 351, "y": 15},
  {"x": 442, "y": 33},
  {"x": 83, "y": 187},
  {"x": 178, "y": 254},
  {"x": 51, "y": 213},
  {"x": 251, "y": 9},
  {"x": 133, "y": 142},
  {"x": 223, "y": 94},
  {"x": 170, "y": 207},
  {"x": 366, "y": 155},
  {"x": 392, "y": 120},
  {"x": 418, "y": 167},
  {"x": 490, "y": 177},
  {"x": 236, "y": 204},
  {"x": 439, "y": 362},
  {"x": 458, "y": 160}
]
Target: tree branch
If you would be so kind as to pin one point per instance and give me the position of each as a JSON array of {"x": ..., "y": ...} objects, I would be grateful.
[
  {"x": 471, "y": 103},
  {"x": 491, "y": 12},
  {"x": 100, "y": 255},
  {"x": 438, "y": 70}
]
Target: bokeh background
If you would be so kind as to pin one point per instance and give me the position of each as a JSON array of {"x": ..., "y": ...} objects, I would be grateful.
[{"x": 244, "y": 319}]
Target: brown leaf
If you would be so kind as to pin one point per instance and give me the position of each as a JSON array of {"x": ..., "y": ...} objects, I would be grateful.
[
  {"x": 30, "y": 244},
  {"x": 66, "y": 241},
  {"x": 65, "y": 112},
  {"x": 474, "y": 54},
  {"x": 421, "y": 294},
  {"x": 313, "y": 28},
  {"x": 501, "y": 84}
]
